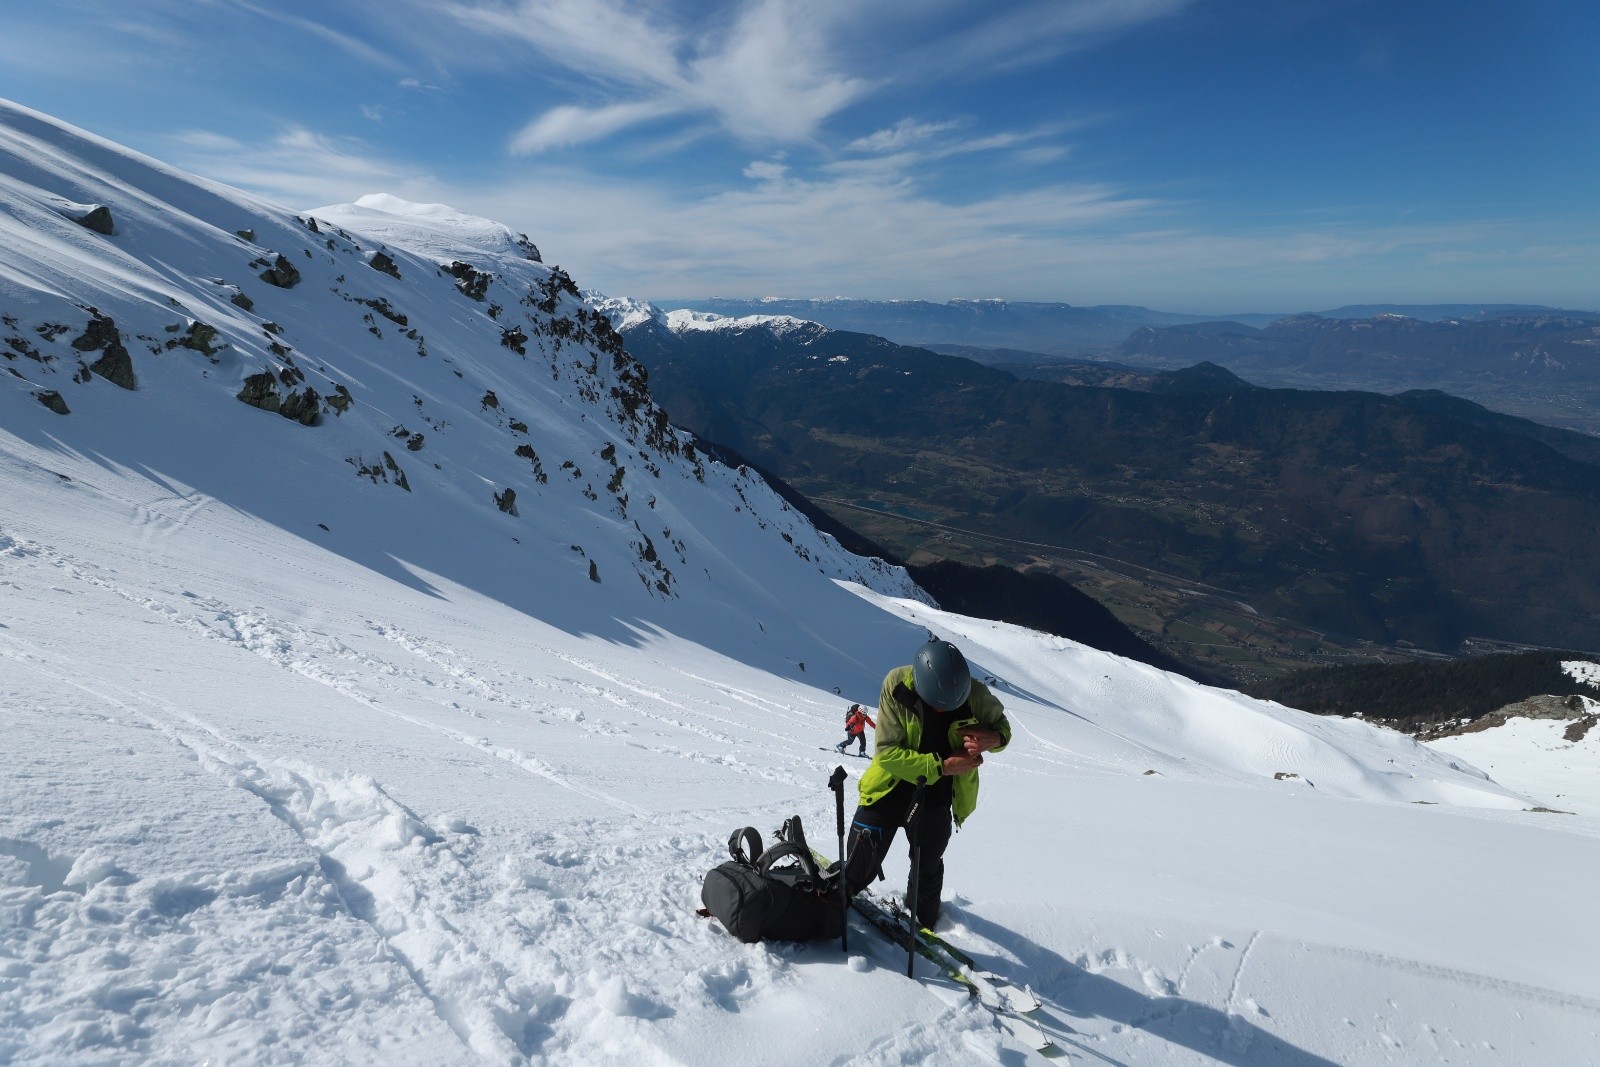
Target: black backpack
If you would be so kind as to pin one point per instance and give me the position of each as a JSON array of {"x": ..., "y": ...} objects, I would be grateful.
[{"x": 776, "y": 894}]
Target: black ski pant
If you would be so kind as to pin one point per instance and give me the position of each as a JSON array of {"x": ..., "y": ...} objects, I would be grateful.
[
  {"x": 861, "y": 738},
  {"x": 872, "y": 834}
]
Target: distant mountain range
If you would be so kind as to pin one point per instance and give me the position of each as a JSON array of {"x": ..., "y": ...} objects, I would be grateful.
[
  {"x": 1045, "y": 328},
  {"x": 1414, "y": 519},
  {"x": 1544, "y": 366},
  {"x": 1050, "y": 328},
  {"x": 1538, "y": 362}
]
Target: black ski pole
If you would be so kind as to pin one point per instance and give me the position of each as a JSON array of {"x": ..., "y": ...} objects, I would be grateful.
[
  {"x": 836, "y": 783},
  {"x": 914, "y": 888}
]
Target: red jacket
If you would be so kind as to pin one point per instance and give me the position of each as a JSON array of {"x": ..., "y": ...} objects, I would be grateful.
[{"x": 853, "y": 720}]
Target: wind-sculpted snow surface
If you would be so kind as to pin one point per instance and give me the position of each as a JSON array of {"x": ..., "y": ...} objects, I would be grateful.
[{"x": 301, "y": 765}]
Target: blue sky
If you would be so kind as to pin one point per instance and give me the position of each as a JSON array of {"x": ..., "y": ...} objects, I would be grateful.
[{"x": 1195, "y": 155}]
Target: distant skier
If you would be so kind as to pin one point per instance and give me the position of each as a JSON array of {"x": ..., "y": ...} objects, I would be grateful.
[
  {"x": 855, "y": 723},
  {"x": 935, "y": 723}
]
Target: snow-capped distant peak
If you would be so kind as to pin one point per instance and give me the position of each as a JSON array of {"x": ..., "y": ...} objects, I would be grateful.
[
  {"x": 685, "y": 321},
  {"x": 625, "y": 312}
]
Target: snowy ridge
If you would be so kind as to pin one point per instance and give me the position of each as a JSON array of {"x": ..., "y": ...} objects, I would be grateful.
[
  {"x": 626, "y": 313},
  {"x": 683, "y": 321},
  {"x": 415, "y": 350},
  {"x": 319, "y": 748}
]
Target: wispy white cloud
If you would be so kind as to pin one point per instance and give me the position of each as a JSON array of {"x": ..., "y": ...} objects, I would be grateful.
[
  {"x": 909, "y": 146},
  {"x": 1032, "y": 32},
  {"x": 301, "y": 168},
  {"x": 355, "y": 46},
  {"x": 607, "y": 39},
  {"x": 570, "y": 125},
  {"x": 902, "y": 134},
  {"x": 768, "y": 75},
  {"x": 772, "y": 75},
  {"x": 763, "y": 170}
]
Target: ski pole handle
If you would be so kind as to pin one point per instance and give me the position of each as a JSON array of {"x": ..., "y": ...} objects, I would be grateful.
[{"x": 836, "y": 783}]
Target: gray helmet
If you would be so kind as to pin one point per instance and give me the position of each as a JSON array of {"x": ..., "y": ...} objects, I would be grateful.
[{"x": 941, "y": 675}]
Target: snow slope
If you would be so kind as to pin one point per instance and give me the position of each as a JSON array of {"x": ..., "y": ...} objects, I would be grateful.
[
  {"x": 1535, "y": 757},
  {"x": 303, "y": 766}
]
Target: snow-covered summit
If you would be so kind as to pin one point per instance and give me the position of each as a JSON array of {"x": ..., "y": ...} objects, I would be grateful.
[{"x": 433, "y": 229}]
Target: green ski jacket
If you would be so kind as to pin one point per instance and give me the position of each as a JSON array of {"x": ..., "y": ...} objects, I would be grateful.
[{"x": 895, "y": 755}]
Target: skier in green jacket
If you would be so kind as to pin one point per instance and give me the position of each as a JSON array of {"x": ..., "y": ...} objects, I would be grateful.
[{"x": 934, "y": 723}]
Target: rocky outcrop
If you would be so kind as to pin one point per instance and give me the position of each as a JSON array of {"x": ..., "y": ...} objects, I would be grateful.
[
  {"x": 281, "y": 273},
  {"x": 470, "y": 280},
  {"x": 381, "y": 261},
  {"x": 200, "y": 337},
  {"x": 302, "y": 405},
  {"x": 96, "y": 217},
  {"x": 52, "y": 400},
  {"x": 386, "y": 471},
  {"x": 261, "y": 391},
  {"x": 114, "y": 365},
  {"x": 1571, "y": 707}
]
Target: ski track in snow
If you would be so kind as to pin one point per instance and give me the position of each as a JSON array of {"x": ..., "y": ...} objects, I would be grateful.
[
  {"x": 507, "y": 956},
  {"x": 612, "y": 689},
  {"x": 1244, "y": 958},
  {"x": 300, "y": 651}
]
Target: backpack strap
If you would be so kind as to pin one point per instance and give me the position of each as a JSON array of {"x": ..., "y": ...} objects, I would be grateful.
[
  {"x": 809, "y": 874},
  {"x": 745, "y": 846},
  {"x": 794, "y": 833}
]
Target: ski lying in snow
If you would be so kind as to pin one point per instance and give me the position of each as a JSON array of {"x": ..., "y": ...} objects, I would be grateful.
[
  {"x": 999, "y": 988},
  {"x": 1011, "y": 1007},
  {"x": 993, "y": 989}
]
